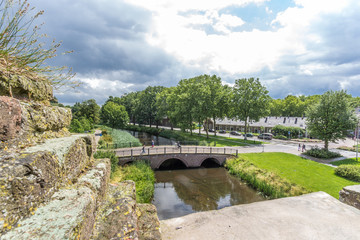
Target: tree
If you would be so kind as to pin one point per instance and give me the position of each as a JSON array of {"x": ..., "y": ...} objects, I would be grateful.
[
  {"x": 331, "y": 118},
  {"x": 114, "y": 115},
  {"x": 250, "y": 100},
  {"x": 22, "y": 53}
]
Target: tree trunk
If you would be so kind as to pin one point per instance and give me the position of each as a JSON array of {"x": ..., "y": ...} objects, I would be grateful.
[
  {"x": 326, "y": 145},
  {"x": 199, "y": 127},
  {"x": 245, "y": 129},
  {"x": 214, "y": 128}
]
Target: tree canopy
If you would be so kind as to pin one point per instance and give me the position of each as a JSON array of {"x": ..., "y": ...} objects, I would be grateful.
[
  {"x": 250, "y": 100},
  {"x": 331, "y": 118}
]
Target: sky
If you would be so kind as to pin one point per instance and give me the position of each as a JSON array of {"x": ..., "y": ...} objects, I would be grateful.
[{"x": 297, "y": 47}]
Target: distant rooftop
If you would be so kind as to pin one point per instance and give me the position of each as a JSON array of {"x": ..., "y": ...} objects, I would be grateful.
[{"x": 267, "y": 122}]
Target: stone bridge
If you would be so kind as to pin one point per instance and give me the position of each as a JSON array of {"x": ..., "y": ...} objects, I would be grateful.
[{"x": 190, "y": 156}]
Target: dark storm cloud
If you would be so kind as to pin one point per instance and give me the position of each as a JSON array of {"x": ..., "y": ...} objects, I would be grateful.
[{"x": 105, "y": 36}]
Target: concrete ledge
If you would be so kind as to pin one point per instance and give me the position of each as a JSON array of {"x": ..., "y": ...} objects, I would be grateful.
[
  {"x": 117, "y": 219},
  {"x": 351, "y": 195},
  {"x": 311, "y": 216},
  {"x": 69, "y": 215}
]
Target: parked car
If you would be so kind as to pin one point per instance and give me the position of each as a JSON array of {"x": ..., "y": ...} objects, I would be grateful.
[
  {"x": 248, "y": 135},
  {"x": 268, "y": 136},
  {"x": 235, "y": 133},
  {"x": 222, "y": 131},
  {"x": 211, "y": 130}
]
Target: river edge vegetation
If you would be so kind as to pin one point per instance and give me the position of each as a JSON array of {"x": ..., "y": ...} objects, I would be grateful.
[
  {"x": 308, "y": 175},
  {"x": 140, "y": 172}
]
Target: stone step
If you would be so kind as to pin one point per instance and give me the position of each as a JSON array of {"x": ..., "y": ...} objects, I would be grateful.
[
  {"x": 117, "y": 218},
  {"x": 70, "y": 214},
  {"x": 30, "y": 178}
]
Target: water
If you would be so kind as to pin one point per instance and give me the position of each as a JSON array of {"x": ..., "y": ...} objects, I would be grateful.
[
  {"x": 181, "y": 192},
  {"x": 145, "y": 138}
]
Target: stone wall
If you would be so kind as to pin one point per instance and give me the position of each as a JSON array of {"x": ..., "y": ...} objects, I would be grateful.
[
  {"x": 350, "y": 195},
  {"x": 26, "y": 123}
]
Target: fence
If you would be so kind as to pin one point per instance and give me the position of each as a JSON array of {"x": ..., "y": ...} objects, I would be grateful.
[{"x": 176, "y": 150}]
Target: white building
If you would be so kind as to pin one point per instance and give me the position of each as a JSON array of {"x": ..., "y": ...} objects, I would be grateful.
[{"x": 265, "y": 124}]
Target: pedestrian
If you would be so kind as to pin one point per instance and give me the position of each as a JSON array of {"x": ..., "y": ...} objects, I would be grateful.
[
  {"x": 303, "y": 148},
  {"x": 299, "y": 147},
  {"x": 143, "y": 149},
  {"x": 152, "y": 143},
  {"x": 178, "y": 145}
]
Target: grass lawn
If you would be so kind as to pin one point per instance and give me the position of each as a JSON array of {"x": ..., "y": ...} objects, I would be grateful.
[
  {"x": 351, "y": 161},
  {"x": 220, "y": 140},
  {"x": 309, "y": 174}
]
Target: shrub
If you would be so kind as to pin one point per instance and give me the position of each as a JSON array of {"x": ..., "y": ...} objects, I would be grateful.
[
  {"x": 108, "y": 154},
  {"x": 280, "y": 137},
  {"x": 282, "y": 130},
  {"x": 321, "y": 153},
  {"x": 203, "y": 143},
  {"x": 141, "y": 173},
  {"x": 351, "y": 172}
]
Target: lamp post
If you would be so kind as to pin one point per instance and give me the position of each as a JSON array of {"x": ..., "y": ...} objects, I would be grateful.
[{"x": 357, "y": 140}]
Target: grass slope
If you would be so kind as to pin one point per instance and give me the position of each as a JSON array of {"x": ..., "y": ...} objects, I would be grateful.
[
  {"x": 309, "y": 174},
  {"x": 350, "y": 161}
]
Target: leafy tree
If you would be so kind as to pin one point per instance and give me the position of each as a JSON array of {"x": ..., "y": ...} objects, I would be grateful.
[
  {"x": 331, "y": 118},
  {"x": 87, "y": 109},
  {"x": 76, "y": 126},
  {"x": 276, "y": 107},
  {"x": 114, "y": 115},
  {"x": 21, "y": 52},
  {"x": 250, "y": 100},
  {"x": 147, "y": 108}
]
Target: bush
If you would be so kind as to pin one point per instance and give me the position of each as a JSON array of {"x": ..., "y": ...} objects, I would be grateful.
[
  {"x": 282, "y": 137},
  {"x": 108, "y": 154},
  {"x": 351, "y": 172},
  {"x": 282, "y": 130},
  {"x": 141, "y": 173},
  {"x": 321, "y": 153}
]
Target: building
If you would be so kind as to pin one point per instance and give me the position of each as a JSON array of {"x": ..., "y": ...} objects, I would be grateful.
[{"x": 265, "y": 124}]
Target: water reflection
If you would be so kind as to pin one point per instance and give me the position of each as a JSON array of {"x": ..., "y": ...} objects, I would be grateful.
[{"x": 180, "y": 192}]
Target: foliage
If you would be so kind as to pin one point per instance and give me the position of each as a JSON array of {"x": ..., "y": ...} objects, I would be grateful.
[
  {"x": 321, "y": 153},
  {"x": 141, "y": 173},
  {"x": 119, "y": 139},
  {"x": 114, "y": 115},
  {"x": 303, "y": 172},
  {"x": 282, "y": 130},
  {"x": 331, "y": 118},
  {"x": 265, "y": 181},
  {"x": 76, "y": 126},
  {"x": 292, "y": 106},
  {"x": 351, "y": 172},
  {"x": 108, "y": 154},
  {"x": 250, "y": 100},
  {"x": 282, "y": 137},
  {"x": 87, "y": 109},
  {"x": 21, "y": 52}
]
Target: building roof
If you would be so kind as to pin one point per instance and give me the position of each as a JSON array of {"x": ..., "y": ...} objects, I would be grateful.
[{"x": 267, "y": 122}]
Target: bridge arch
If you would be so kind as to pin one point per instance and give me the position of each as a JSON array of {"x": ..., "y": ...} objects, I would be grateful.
[
  {"x": 210, "y": 162},
  {"x": 168, "y": 162}
]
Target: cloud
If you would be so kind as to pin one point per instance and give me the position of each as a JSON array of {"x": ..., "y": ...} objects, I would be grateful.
[{"x": 126, "y": 45}]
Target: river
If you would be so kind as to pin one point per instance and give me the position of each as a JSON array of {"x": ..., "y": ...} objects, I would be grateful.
[{"x": 181, "y": 192}]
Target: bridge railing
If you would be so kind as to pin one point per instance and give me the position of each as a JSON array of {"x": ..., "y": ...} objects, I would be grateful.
[{"x": 175, "y": 150}]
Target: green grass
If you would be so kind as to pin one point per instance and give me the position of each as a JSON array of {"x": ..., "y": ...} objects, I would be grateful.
[
  {"x": 121, "y": 139},
  {"x": 141, "y": 173},
  {"x": 349, "y": 161},
  {"x": 306, "y": 173}
]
